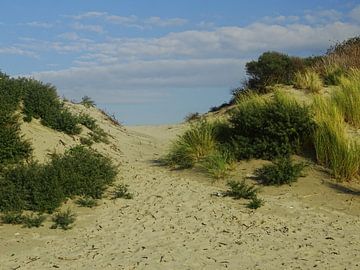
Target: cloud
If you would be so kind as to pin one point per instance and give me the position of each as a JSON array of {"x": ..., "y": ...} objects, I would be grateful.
[
  {"x": 157, "y": 21},
  {"x": 355, "y": 13},
  {"x": 88, "y": 15},
  {"x": 323, "y": 16},
  {"x": 17, "y": 51},
  {"x": 39, "y": 24},
  {"x": 88, "y": 27}
]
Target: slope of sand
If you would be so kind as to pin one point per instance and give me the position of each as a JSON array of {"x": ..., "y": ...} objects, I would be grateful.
[{"x": 173, "y": 222}]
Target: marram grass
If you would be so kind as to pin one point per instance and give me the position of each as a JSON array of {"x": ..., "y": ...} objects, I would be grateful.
[{"x": 309, "y": 80}]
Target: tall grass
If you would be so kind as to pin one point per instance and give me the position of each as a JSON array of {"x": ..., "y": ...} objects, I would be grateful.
[
  {"x": 219, "y": 164},
  {"x": 334, "y": 148},
  {"x": 347, "y": 97},
  {"x": 309, "y": 80},
  {"x": 196, "y": 143}
]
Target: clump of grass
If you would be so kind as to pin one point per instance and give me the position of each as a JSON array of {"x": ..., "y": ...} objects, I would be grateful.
[
  {"x": 87, "y": 121},
  {"x": 255, "y": 203},
  {"x": 334, "y": 148},
  {"x": 28, "y": 221},
  {"x": 239, "y": 190},
  {"x": 12, "y": 218},
  {"x": 63, "y": 220},
  {"x": 219, "y": 164},
  {"x": 282, "y": 171},
  {"x": 86, "y": 202},
  {"x": 33, "y": 220},
  {"x": 347, "y": 97},
  {"x": 86, "y": 141},
  {"x": 192, "y": 117},
  {"x": 87, "y": 102},
  {"x": 122, "y": 191},
  {"x": 309, "y": 80},
  {"x": 191, "y": 147},
  {"x": 333, "y": 73}
]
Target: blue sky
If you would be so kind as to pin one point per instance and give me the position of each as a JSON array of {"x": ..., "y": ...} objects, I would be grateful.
[{"x": 152, "y": 62}]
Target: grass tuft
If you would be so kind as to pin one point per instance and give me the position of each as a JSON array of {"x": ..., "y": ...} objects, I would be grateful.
[
  {"x": 239, "y": 190},
  {"x": 122, "y": 191},
  {"x": 63, "y": 220},
  {"x": 309, "y": 80}
]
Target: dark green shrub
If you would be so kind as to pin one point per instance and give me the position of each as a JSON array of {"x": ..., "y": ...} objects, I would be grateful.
[
  {"x": 32, "y": 220},
  {"x": 239, "y": 190},
  {"x": 87, "y": 121},
  {"x": 86, "y": 141},
  {"x": 283, "y": 171},
  {"x": 255, "y": 203},
  {"x": 42, "y": 101},
  {"x": 12, "y": 218},
  {"x": 122, "y": 191},
  {"x": 272, "y": 68},
  {"x": 63, "y": 220},
  {"x": 268, "y": 128},
  {"x": 86, "y": 202},
  {"x": 36, "y": 187}
]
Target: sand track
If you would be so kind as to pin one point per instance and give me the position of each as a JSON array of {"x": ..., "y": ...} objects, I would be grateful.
[{"x": 174, "y": 223}]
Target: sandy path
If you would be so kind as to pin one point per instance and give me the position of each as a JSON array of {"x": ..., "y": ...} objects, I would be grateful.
[{"x": 174, "y": 223}]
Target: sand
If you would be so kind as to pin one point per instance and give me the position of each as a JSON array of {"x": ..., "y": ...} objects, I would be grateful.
[{"x": 173, "y": 222}]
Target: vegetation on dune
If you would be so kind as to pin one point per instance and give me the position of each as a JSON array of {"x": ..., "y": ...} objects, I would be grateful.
[
  {"x": 63, "y": 220},
  {"x": 309, "y": 80},
  {"x": 38, "y": 187},
  {"x": 282, "y": 171}
]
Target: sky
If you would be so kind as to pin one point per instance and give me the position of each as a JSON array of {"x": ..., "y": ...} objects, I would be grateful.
[{"x": 155, "y": 61}]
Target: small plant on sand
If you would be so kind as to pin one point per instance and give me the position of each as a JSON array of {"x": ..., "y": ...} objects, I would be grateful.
[
  {"x": 239, "y": 190},
  {"x": 219, "y": 164},
  {"x": 86, "y": 202},
  {"x": 33, "y": 220},
  {"x": 308, "y": 80},
  {"x": 255, "y": 203},
  {"x": 282, "y": 171},
  {"x": 12, "y": 218},
  {"x": 63, "y": 220},
  {"x": 87, "y": 121},
  {"x": 87, "y": 102},
  {"x": 122, "y": 191},
  {"x": 192, "y": 117}
]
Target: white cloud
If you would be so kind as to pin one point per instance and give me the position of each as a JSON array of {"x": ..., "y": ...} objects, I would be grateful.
[
  {"x": 323, "y": 16},
  {"x": 39, "y": 24},
  {"x": 355, "y": 13},
  {"x": 88, "y": 27},
  {"x": 17, "y": 51},
  {"x": 157, "y": 21},
  {"x": 88, "y": 15}
]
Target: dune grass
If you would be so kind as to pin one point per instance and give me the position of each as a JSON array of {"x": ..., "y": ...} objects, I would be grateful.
[
  {"x": 309, "y": 80},
  {"x": 334, "y": 148},
  {"x": 219, "y": 164},
  {"x": 347, "y": 97},
  {"x": 195, "y": 144}
]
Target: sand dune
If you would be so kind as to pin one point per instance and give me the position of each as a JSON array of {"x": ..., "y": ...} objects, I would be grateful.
[{"x": 173, "y": 222}]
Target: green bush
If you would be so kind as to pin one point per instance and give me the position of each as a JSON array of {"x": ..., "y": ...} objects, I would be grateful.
[
  {"x": 240, "y": 190},
  {"x": 87, "y": 121},
  {"x": 42, "y": 101},
  {"x": 63, "y": 220},
  {"x": 80, "y": 171},
  {"x": 255, "y": 203},
  {"x": 14, "y": 218},
  {"x": 32, "y": 220},
  {"x": 269, "y": 128},
  {"x": 122, "y": 191},
  {"x": 272, "y": 68},
  {"x": 282, "y": 171}
]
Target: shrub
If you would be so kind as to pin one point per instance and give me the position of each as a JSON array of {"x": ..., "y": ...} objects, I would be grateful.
[
  {"x": 86, "y": 202},
  {"x": 196, "y": 143},
  {"x": 334, "y": 148},
  {"x": 282, "y": 171},
  {"x": 42, "y": 101},
  {"x": 255, "y": 203},
  {"x": 80, "y": 171},
  {"x": 269, "y": 128},
  {"x": 87, "y": 121},
  {"x": 332, "y": 74},
  {"x": 122, "y": 191},
  {"x": 12, "y": 218},
  {"x": 272, "y": 68},
  {"x": 218, "y": 164},
  {"x": 87, "y": 102},
  {"x": 63, "y": 220},
  {"x": 240, "y": 190},
  {"x": 32, "y": 220},
  {"x": 308, "y": 80}
]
